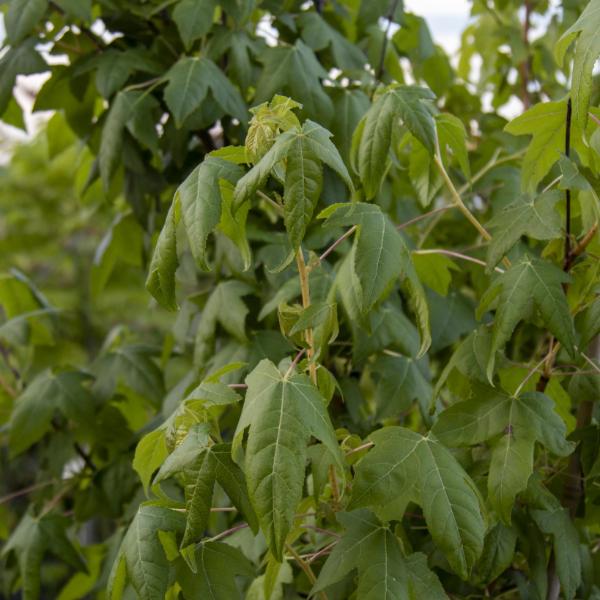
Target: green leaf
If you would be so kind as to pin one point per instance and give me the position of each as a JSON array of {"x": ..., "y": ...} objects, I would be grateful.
[
  {"x": 302, "y": 188},
  {"x": 213, "y": 464},
  {"x": 226, "y": 308},
  {"x": 535, "y": 217},
  {"x": 200, "y": 199},
  {"x": 32, "y": 539},
  {"x": 281, "y": 412},
  {"x": 424, "y": 174},
  {"x": 452, "y": 138},
  {"x": 319, "y": 35},
  {"x": 20, "y": 60},
  {"x": 295, "y": 71},
  {"x": 22, "y": 17},
  {"x": 35, "y": 407},
  {"x": 304, "y": 151},
  {"x": 405, "y": 463},
  {"x": 379, "y": 248},
  {"x": 529, "y": 283},
  {"x": 512, "y": 425},
  {"x": 161, "y": 275},
  {"x": 193, "y": 18},
  {"x": 142, "y": 553},
  {"x": 435, "y": 271},
  {"x": 150, "y": 453},
  {"x": 123, "y": 108},
  {"x": 217, "y": 567},
  {"x": 78, "y": 9},
  {"x": 587, "y": 49},
  {"x": 557, "y": 523},
  {"x": 189, "y": 82},
  {"x": 374, "y": 551},
  {"x": 400, "y": 381},
  {"x": 498, "y": 552},
  {"x": 373, "y": 137},
  {"x": 546, "y": 123}
]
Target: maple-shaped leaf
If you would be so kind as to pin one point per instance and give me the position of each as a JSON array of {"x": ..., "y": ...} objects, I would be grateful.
[
  {"x": 281, "y": 412},
  {"x": 534, "y": 216},
  {"x": 403, "y": 466},
  {"x": 193, "y": 18},
  {"x": 528, "y": 284},
  {"x": 141, "y": 559},
  {"x": 189, "y": 81},
  {"x": 318, "y": 34},
  {"x": 305, "y": 150},
  {"x": 512, "y": 425},
  {"x": 212, "y": 464},
  {"x": 49, "y": 392},
  {"x": 546, "y": 123},
  {"x": 383, "y": 571},
  {"x": 226, "y": 308},
  {"x": 587, "y": 50},
  {"x": 399, "y": 381},
  {"x": 295, "y": 71},
  {"x": 372, "y": 138},
  {"x": 216, "y": 567},
  {"x": 31, "y": 540}
]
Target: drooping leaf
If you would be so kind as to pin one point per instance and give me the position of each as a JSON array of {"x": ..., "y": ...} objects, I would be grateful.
[
  {"x": 281, "y": 412},
  {"x": 150, "y": 453},
  {"x": 535, "y": 217},
  {"x": 212, "y": 464},
  {"x": 513, "y": 425},
  {"x": 587, "y": 49},
  {"x": 528, "y": 284},
  {"x": 161, "y": 275},
  {"x": 379, "y": 248},
  {"x": 406, "y": 464},
  {"x": 374, "y": 134},
  {"x": 498, "y": 552},
  {"x": 200, "y": 199}
]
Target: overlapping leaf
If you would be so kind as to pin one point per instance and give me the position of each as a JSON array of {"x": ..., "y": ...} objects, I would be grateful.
[
  {"x": 280, "y": 412},
  {"x": 383, "y": 571},
  {"x": 528, "y": 284},
  {"x": 405, "y": 464},
  {"x": 373, "y": 135},
  {"x": 305, "y": 150},
  {"x": 535, "y": 217},
  {"x": 587, "y": 50},
  {"x": 512, "y": 425}
]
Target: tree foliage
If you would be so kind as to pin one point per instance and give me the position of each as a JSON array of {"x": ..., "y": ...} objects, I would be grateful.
[{"x": 291, "y": 308}]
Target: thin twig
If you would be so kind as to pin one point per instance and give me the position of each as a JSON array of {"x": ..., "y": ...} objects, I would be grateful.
[
  {"x": 308, "y": 333},
  {"x": 337, "y": 243},
  {"x": 426, "y": 215},
  {"x": 472, "y": 259},
  {"x": 25, "y": 491},
  {"x": 294, "y": 363},
  {"x": 227, "y": 532},
  {"x": 384, "y": 44},
  {"x": 359, "y": 448},
  {"x": 306, "y": 568},
  {"x": 238, "y": 386}
]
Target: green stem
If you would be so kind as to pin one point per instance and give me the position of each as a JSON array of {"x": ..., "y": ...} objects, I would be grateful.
[{"x": 308, "y": 335}]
